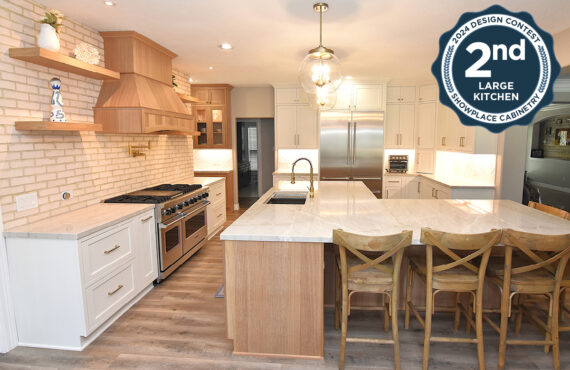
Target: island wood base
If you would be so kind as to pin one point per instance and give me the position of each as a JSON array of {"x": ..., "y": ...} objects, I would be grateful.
[{"x": 274, "y": 298}]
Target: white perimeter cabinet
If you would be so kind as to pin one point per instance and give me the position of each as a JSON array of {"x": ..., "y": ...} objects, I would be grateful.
[
  {"x": 216, "y": 210},
  {"x": 67, "y": 291},
  {"x": 360, "y": 97},
  {"x": 421, "y": 187},
  {"x": 296, "y": 127}
]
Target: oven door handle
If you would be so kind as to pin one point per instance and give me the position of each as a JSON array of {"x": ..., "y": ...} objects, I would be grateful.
[{"x": 183, "y": 216}]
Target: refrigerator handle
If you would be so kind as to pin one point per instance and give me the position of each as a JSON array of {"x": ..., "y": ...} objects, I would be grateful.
[
  {"x": 348, "y": 143},
  {"x": 354, "y": 143}
]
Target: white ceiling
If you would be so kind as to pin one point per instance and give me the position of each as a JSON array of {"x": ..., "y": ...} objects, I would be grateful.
[{"x": 374, "y": 39}]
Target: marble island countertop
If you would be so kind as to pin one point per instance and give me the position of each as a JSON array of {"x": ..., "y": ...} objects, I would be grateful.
[
  {"x": 79, "y": 223},
  {"x": 352, "y": 207}
]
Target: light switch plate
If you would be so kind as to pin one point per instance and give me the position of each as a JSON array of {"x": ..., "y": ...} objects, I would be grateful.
[{"x": 26, "y": 201}]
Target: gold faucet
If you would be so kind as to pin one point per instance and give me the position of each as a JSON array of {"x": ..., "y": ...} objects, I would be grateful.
[{"x": 311, "y": 188}]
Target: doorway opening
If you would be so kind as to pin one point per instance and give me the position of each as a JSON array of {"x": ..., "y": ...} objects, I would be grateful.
[{"x": 255, "y": 158}]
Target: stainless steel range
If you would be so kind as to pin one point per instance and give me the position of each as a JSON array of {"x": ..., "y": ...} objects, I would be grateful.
[{"x": 180, "y": 214}]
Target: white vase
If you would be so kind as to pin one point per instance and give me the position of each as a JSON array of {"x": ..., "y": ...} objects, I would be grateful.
[{"x": 47, "y": 38}]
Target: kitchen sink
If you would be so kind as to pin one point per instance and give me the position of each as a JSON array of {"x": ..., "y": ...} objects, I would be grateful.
[{"x": 288, "y": 197}]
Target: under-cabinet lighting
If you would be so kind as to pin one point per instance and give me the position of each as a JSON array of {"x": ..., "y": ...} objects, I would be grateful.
[
  {"x": 210, "y": 68},
  {"x": 109, "y": 3},
  {"x": 226, "y": 46}
]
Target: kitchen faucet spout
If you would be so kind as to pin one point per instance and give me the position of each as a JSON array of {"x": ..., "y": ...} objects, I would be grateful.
[{"x": 311, "y": 178}]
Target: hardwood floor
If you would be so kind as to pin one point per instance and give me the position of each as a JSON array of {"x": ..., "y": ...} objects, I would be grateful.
[{"x": 180, "y": 324}]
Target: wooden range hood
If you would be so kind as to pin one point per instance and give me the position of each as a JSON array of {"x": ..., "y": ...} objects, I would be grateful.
[{"x": 143, "y": 100}]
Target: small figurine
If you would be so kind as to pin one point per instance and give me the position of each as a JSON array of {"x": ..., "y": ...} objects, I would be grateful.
[{"x": 57, "y": 114}]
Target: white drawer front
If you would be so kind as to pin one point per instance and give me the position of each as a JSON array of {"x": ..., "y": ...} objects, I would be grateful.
[
  {"x": 106, "y": 298},
  {"x": 393, "y": 180},
  {"x": 217, "y": 193},
  {"x": 106, "y": 251},
  {"x": 216, "y": 217}
]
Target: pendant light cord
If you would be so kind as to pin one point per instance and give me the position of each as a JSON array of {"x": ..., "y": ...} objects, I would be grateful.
[{"x": 321, "y": 26}]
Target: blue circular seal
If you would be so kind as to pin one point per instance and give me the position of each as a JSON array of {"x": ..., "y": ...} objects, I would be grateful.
[{"x": 496, "y": 68}]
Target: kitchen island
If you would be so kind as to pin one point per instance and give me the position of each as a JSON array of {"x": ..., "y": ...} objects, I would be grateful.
[{"x": 274, "y": 255}]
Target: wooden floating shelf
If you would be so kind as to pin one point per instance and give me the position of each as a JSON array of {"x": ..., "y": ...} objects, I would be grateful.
[
  {"x": 63, "y": 62},
  {"x": 57, "y": 126},
  {"x": 189, "y": 98}
]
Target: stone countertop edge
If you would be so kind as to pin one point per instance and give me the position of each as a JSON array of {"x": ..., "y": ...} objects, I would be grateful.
[{"x": 27, "y": 232}]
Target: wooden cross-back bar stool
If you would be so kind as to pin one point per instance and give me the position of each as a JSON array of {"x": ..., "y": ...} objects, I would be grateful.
[
  {"x": 536, "y": 270},
  {"x": 360, "y": 273},
  {"x": 454, "y": 269},
  {"x": 550, "y": 210}
]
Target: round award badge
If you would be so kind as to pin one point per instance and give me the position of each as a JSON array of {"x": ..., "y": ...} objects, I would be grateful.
[{"x": 496, "y": 68}]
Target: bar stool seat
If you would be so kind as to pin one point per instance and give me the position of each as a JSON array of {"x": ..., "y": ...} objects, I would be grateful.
[
  {"x": 461, "y": 277},
  {"x": 531, "y": 282},
  {"x": 371, "y": 279}
]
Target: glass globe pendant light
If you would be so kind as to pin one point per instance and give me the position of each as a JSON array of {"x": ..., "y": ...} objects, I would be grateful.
[
  {"x": 320, "y": 67},
  {"x": 323, "y": 99}
]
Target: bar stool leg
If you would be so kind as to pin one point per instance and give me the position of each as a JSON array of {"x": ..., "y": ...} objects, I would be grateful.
[
  {"x": 386, "y": 314},
  {"x": 343, "y": 327},
  {"x": 505, "y": 300},
  {"x": 337, "y": 294},
  {"x": 554, "y": 332},
  {"x": 429, "y": 307},
  {"x": 408, "y": 296},
  {"x": 394, "y": 306},
  {"x": 470, "y": 313},
  {"x": 479, "y": 330},
  {"x": 457, "y": 312}
]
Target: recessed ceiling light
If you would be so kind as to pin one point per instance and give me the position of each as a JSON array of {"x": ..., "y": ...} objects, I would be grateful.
[
  {"x": 190, "y": 79},
  {"x": 109, "y": 3},
  {"x": 226, "y": 46},
  {"x": 348, "y": 77},
  {"x": 210, "y": 68}
]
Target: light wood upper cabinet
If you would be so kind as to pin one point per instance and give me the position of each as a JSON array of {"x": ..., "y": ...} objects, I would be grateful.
[
  {"x": 399, "y": 126},
  {"x": 362, "y": 97},
  {"x": 212, "y": 116},
  {"x": 400, "y": 94},
  {"x": 210, "y": 95},
  {"x": 425, "y": 126}
]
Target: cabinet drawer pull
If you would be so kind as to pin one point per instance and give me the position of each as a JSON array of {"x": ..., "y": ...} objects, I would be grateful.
[
  {"x": 117, "y": 246},
  {"x": 418, "y": 186},
  {"x": 220, "y": 215},
  {"x": 146, "y": 218},
  {"x": 443, "y": 141},
  {"x": 418, "y": 140},
  {"x": 394, "y": 182},
  {"x": 218, "y": 194},
  {"x": 116, "y": 290}
]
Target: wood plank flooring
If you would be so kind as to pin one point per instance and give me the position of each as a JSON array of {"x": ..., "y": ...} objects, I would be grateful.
[{"x": 180, "y": 324}]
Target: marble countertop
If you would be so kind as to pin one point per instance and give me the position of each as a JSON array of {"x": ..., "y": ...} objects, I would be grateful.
[
  {"x": 453, "y": 182},
  {"x": 204, "y": 181},
  {"x": 218, "y": 171},
  {"x": 352, "y": 207},
  {"x": 79, "y": 223}
]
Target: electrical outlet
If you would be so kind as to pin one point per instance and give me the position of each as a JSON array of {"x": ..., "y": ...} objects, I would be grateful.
[
  {"x": 26, "y": 201},
  {"x": 65, "y": 195}
]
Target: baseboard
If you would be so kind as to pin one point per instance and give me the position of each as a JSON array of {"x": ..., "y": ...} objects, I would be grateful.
[{"x": 236, "y": 206}]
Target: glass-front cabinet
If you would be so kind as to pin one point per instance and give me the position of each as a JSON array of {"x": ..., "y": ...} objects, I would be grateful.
[
  {"x": 212, "y": 115},
  {"x": 211, "y": 123}
]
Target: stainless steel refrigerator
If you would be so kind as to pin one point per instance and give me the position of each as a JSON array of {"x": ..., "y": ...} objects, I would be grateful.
[{"x": 352, "y": 148}]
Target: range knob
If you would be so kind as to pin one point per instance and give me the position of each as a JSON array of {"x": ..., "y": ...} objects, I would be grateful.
[
  {"x": 186, "y": 203},
  {"x": 195, "y": 199},
  {"x": 206, "y": 195},
  {"x": 180, "y": 206},
  {"x": 166, "y": 212},
  {"x": 172, "y": 209}
]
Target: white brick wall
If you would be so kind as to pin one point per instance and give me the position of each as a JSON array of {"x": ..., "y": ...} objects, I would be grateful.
[{"x": 93, "y": 166}]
